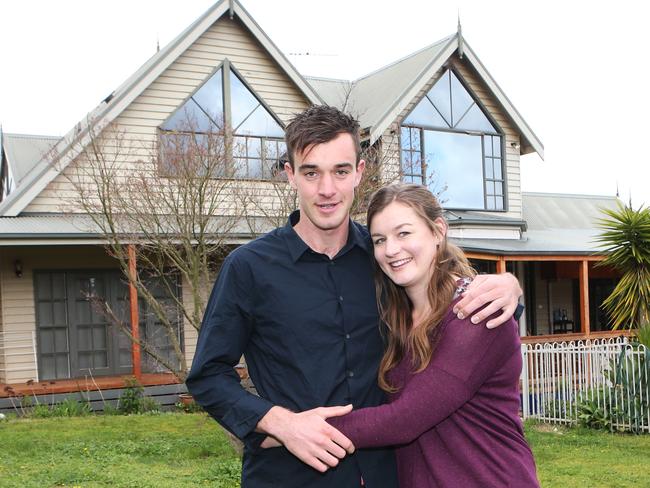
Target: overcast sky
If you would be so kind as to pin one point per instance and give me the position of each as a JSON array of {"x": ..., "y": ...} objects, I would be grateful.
[{"x": 578, "y": 72}]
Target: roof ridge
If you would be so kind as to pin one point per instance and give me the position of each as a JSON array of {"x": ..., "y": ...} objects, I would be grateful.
[
  {"x": 404, "y": 58},
  {"x": 324, "y": 78}
]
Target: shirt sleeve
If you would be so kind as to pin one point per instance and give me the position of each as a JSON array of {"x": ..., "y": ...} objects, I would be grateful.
[
  {"x": 471, "y": 354},
  {"x": 225, "y": 331}
]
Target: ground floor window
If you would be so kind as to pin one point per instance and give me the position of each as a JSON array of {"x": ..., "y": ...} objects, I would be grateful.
[{"x": 75, "y": 339}]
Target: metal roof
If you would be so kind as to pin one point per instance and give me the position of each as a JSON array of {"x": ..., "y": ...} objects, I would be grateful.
[
  {"x": 24, "y": 151},
  {"x": 53, "y": 227},
  {"x": 557, "y": 224},
  {"x": 371, "y": 96}
]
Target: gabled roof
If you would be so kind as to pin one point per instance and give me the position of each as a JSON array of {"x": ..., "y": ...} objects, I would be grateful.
[
  {"x": 112, "y": 106},
  {"x": 24, "y": 151},
  {"x": 378, "y": 98}
]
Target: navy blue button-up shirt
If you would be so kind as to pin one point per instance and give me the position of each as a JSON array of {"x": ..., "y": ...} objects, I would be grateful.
[{"x": 308, "y": 328}]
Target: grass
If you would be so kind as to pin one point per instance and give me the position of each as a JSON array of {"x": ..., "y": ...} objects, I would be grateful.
[
  {"x": 581, "y": 457},
  {"x": 171, "y": 450},
  {"x": 167, "y": 450}
]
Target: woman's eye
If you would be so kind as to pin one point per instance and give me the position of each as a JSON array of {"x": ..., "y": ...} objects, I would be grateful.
[
  {"x": 379, "y": 240},
  {"x": 403, "y": 233}
]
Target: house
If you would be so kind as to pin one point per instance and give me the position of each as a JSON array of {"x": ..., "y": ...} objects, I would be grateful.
[{"x": 436, "y": 116}]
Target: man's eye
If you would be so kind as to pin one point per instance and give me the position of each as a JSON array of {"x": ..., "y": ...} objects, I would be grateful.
[
  {"x": 310, "y": 174},
  {"x": 343, "y": 172}
]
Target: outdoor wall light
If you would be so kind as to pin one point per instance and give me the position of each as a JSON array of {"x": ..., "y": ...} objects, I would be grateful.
[
  {"x": 514, "y": 145},
  {"x": 18, "y": 268}
]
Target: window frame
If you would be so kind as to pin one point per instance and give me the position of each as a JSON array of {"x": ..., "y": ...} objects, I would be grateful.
[
  {"x": 482, "y": 134},
  {"x": 229, "y": 135}
]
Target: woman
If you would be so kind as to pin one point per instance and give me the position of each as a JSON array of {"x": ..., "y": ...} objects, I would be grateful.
[{"x": 452, "y": 385}]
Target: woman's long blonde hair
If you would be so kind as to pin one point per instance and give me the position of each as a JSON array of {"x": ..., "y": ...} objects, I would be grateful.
[{"x": 395, "y": 308}]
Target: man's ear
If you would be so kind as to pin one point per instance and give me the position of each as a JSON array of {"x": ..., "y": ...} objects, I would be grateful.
[
  {"x": 290, "y": 175},
  {"x": 360, "y": 167}
]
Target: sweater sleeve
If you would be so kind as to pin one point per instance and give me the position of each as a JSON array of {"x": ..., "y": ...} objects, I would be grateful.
[{"x": 464, "y": 359}]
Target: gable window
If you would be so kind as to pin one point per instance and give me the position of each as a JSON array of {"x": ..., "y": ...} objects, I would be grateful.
[
  {"x": 448, "y": 142},
  {"x": 224, "y": 109}
]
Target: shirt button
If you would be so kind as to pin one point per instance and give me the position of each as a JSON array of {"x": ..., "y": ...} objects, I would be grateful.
[
  {"x": 350, "y": 374},
  {"x": 340, "y": 298},
  {"x": 331, "y": 263},
  {"x": 347, "y": 336}
]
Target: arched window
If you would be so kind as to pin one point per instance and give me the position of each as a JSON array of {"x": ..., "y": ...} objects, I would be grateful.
[
  {"x": 449, "y": 143},
  {"x": 225, "y": 107}
]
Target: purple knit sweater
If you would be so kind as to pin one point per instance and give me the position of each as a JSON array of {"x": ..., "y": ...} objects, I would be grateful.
[{"x": 456, "y": 423}]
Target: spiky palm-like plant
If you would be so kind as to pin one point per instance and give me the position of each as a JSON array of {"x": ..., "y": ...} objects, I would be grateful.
[{"x": 625, "y": 238}]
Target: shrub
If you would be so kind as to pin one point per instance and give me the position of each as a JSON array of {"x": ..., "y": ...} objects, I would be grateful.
[{"x": 133, "y": 401}]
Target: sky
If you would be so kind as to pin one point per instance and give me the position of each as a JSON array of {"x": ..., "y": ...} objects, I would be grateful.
[{"x": 577, "y": 71}]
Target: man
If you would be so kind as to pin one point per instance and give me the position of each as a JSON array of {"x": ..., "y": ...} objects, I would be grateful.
[{"x": 299, "y": 303}]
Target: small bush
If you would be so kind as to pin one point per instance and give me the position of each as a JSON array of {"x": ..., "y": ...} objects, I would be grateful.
[
  {"x": 71, "y": 408},
  {"x": 133, "y": 400}
]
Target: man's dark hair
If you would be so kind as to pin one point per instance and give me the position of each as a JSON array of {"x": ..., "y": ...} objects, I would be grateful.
[{"x": 317, "y": 125}]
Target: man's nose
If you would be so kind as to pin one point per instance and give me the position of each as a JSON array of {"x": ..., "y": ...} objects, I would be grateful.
[{"x": 326, "y": 185}]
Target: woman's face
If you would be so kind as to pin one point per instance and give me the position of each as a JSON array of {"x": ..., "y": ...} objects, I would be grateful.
[{"x": 405, "y": 246}]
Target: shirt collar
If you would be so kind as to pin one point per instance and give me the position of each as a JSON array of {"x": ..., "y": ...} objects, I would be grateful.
[{"x": 297, "y": 246}]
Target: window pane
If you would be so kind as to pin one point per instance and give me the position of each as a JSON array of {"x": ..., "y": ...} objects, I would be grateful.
[
  {"x": 497, "y": 169},
  {"x": 254, "y": 147},
  {"x": 240, "y": 170},
  {"x": 239, "y": 146},
  {"x": 243, "y": 101},
  {"x": 405, "y": 138},
  {"x": 487, "y": 145},
  {"x": 461, "y": 100},
  {"x": 489, "y": 187},
  {"x": 498, "y": 188},
  {"x": 498, "y": 203},
  {"x": 490, "y": 203},
  {"x": 260, "y": 123},
  {"x": 415, "y": 140},
  {"x": 455, "y": 161},
  {"x": 210, "y": 98},
  {"x": 425, "y": 115},
  {"x": 488, "y": 168},
  {"x": 255, "y": 169},
  {"x": 496, "y": 141},
  {"x": 475, "y": 119},
  {"x": 189, "y": 118},
  {"x": 440, "y": 96}
]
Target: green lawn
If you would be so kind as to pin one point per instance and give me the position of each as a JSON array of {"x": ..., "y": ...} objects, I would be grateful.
[{"x": 173, "y": 450}]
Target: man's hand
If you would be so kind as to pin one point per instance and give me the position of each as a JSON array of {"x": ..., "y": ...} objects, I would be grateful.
[
  {"x": 307, "y": 435},
  {"x": 501, "y": 291}
]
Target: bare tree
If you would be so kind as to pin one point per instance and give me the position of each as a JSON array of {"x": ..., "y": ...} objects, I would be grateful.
[{"x": 170, "y": 204}]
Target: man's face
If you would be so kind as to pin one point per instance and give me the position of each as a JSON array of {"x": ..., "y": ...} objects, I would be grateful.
[{"x": 325, "y": 177}]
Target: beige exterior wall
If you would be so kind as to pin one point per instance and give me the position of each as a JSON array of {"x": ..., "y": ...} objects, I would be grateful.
[
  {"x": 138, "y": 123},
  {"x": 513, "y": 180}
]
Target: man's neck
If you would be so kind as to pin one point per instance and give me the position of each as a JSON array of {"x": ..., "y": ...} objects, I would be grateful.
[{"x": 328, "y": 242}]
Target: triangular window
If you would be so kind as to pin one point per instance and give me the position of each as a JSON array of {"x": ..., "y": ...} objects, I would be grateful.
[
  {"x": 448, "y": 105},
  {"x": 448, "y": 142},
  {"x": 256, "y": 135}
]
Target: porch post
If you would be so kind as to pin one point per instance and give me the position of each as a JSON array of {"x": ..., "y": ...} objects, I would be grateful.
[
  {"x": 584, "y": 297},
  {"x": 501, "y": 265},
  {"x": 135, "y": 325}
]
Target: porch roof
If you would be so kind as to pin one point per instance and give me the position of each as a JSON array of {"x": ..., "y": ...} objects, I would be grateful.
[{"x": 557, "y": 224}]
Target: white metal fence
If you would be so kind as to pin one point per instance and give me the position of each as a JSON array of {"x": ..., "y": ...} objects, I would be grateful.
[
  {"x": 17, "y": 345},
  {"x": 602, "y": 381}
]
